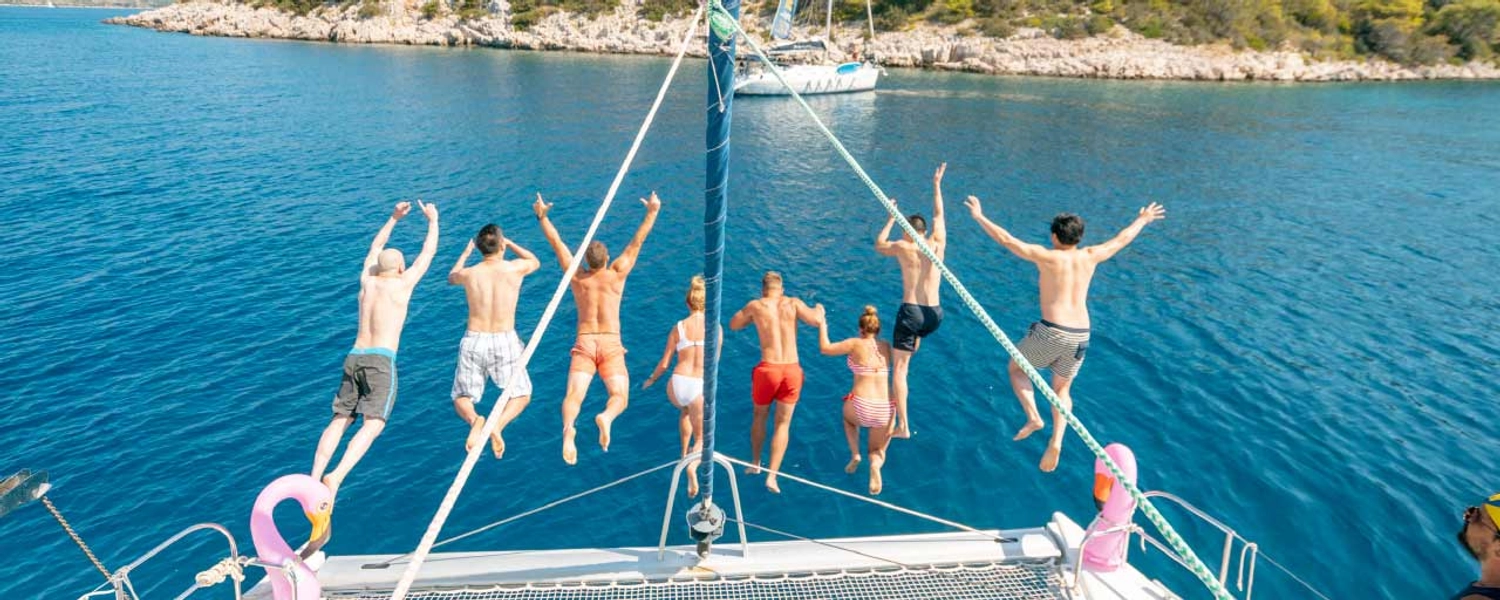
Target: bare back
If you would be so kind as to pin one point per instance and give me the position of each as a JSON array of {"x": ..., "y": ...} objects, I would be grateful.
[
  {"x": 690, "y": 358},
  {"x": 598, "y": 295},
  {"x": 382, "y": 311},
  {"x": 920, "y": 279},
  {"x": 877, "y": 355},
  {"x": 1064, "y": 285},
  {"x": 492, "y": 288},
  {"x": 775, "y": 320}
]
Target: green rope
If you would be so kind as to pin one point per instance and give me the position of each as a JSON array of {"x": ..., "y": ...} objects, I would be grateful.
[{"x": 1171, "y": 535}]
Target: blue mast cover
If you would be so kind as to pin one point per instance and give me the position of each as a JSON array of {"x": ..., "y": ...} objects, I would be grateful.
[{"x": 721, "y": 51}]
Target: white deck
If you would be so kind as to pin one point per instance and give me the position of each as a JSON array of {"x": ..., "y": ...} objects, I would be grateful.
[{"x": 770, "y": 561}]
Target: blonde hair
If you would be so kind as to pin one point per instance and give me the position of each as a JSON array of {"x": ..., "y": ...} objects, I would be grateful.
[
  {"x": 869, "y": 322},
  {"x": 696, "y": 295},
  {"x": 771, "y": 281}
]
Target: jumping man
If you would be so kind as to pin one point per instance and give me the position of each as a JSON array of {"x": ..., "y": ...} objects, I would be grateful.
[
  {"x": 919, "y": 315},
  {"x": 368, "y": 387},
  {"x": 778, "y": 377},
  {"x": 597, "y": 290},
  {"x": 490, "y": 347},
  {"x": 1061, "y": 338}
]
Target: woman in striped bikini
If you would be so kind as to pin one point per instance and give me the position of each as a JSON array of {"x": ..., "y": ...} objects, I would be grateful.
[
  {"x": 685, "y": 388},
  {"x": 868, "y": 404}
]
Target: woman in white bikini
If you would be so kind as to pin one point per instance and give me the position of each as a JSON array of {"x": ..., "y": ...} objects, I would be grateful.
[
  {"x": 868, "y": 404},
  {"x": 685, "y": 388}
]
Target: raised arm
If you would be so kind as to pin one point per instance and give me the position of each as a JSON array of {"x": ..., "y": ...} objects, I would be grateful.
[
  {"x": 939, "y": 224},
  {"x": 1031, "y": 252},
  {"x": 524, "y": 258},
  {"x": 883, "y": 244},
  {"x": 429, "y": 246},
  {"x": 564, "y": 256},
  {"x": 666, "y": 359},
  {"x": 384, "y": 235},
  {"x": 824, "y": 346},
  {"x": 457, "y": 274},
  {"x": 1107, "y": 250},
  {"x": 626, "y": 261}
]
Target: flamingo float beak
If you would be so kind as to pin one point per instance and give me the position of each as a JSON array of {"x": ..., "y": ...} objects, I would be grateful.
[{"x": 320, "y": 532}]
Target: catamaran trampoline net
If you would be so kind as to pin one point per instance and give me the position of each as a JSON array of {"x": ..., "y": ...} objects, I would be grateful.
[{"x": 986, "y": 581}]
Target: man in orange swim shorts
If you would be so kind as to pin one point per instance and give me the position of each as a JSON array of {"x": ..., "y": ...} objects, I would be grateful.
[
  {"x": 778, "y": 377},
  {"x": 597, "y": 289}
]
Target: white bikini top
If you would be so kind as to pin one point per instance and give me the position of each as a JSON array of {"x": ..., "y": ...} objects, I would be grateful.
[{"x": 682, "y": 339}]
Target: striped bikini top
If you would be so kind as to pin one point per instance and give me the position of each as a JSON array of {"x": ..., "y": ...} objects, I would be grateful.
[
  {"x": 682, "y": 339},
  {"x": 859, "y": 369}
]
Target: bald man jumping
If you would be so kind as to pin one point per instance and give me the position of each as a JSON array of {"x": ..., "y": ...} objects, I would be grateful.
[{"x": 368, "y": 387}]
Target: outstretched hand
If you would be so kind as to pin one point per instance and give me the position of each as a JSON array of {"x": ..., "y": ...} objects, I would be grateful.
[
  {"x": 429, "y": 210},
  {"x": 975, "y": 209},
  {"x": 937, "y": 177},
  {"x": 1152, "y": 212},
  {"x": 401, "y": 210},
  {"x": 540, "y": 207},
  {"x": 650, "y": 381},
  {"x": 652, "y": 205}
]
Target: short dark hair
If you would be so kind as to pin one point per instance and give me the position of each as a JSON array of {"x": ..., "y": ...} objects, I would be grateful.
[
  {"x": 597, "y": 255},
  {"x": 490, "y": 239},
  {"x": 918, "y": 222},
  {"x": 1068, "y": 228}
]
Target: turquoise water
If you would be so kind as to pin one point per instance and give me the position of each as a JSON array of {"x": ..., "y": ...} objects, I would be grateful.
[{"x": 1303, "y": 347}]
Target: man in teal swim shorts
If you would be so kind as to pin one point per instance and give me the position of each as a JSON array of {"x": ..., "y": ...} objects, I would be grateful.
[{"x": 368, "y": 387}]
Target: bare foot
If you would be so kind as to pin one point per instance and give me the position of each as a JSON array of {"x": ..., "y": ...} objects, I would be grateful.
[
  {"x": 903, "y": 431},
  {"x": 497, "y": 445},
  {"x": 476, "y": 428},
  {"x": 693, "y": 486},
  {"x": 853, "y": 464},
  {"x": 1049, "y": 458},
  {"x": 876, "y": 483},
  {"x": 570, "y": 451},
  {"x": 333, "y": 482},
  {"x": 755, "y": 470},
  {"x": 603, "y": 424},
  {"x": 1031, "y": 427},
  {"x": 771, "y": 484}
]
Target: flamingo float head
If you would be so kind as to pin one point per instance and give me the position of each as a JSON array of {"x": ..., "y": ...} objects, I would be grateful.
[{"x": 317, "y": 504}]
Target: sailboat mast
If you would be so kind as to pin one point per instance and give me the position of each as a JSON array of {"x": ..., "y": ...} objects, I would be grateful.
[
  {"x": 721, "y": 51},
  {"x": 870, "y": 18},
  {"x": 828, "y": 29}
]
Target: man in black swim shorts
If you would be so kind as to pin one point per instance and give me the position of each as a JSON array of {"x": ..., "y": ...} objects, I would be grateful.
[{"x": 919, "y": 315}]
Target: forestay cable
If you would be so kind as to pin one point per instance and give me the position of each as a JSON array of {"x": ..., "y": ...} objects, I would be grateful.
[{"x": 436, "y": 526}]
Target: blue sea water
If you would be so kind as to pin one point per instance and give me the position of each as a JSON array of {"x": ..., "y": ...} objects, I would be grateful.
[{"x": 1304, "y": 347}]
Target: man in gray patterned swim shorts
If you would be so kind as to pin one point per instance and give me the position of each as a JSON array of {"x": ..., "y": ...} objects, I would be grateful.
[
  {"x": 1059, "y": 340},
  {"x": 368, "y": 387},
  {"x": 490, "y": 347}
]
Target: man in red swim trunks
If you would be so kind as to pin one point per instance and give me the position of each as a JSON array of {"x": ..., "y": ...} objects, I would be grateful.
[
  {"x": 597, "y": 289},
  {"x": 778, "y": 377}
]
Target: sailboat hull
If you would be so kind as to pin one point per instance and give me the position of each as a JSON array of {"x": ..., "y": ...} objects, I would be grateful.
[{"x": 810, "y": 80}]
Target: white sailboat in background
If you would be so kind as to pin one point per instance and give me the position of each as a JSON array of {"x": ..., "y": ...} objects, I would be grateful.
[{"x": 806, "y": 66}]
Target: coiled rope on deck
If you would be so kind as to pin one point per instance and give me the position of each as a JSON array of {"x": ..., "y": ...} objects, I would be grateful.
[
  {"x": 438, "y": 519},
  {"x": 1175, "y": 540}
]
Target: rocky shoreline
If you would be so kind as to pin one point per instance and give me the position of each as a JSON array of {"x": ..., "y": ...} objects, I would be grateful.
[{"x": 1118, "y": 54}]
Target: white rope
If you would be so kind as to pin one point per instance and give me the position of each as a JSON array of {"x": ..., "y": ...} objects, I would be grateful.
[
  {"x": 436, "y": 526},
  {"x": 544, "y": 507},
  {"x": 880, "y": 503}
]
